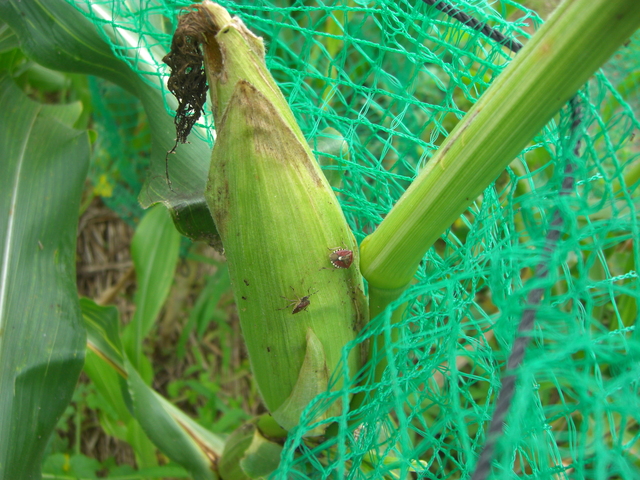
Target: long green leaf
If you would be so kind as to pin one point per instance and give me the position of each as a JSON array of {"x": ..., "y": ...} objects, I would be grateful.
[
  {"x": 56, "y": 35},
  {"x": 173, "y": 432},
  {"x": 154, "y": 250},
  {"x": 105, "y": 367},
  {"x": 44, "y": 166}
]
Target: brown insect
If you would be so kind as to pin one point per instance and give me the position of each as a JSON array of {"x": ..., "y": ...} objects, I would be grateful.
[
  {"x": 300, "y": 303},
  {"x": 341, "y": 257}
]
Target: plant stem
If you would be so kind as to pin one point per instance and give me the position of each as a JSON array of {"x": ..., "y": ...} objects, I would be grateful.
[{"x": 578, "y": 38}]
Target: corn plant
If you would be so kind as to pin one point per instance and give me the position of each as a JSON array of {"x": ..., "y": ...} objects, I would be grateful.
[{"x": 297, "y": 272}]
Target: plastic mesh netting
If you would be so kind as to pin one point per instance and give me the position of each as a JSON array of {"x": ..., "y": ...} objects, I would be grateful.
[
  {"x": 394, "y": 78},
  {"x": 121, "y": 153}
]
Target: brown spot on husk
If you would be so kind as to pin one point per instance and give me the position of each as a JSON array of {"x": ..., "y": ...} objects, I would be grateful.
[{"x": 273, "y": 138}]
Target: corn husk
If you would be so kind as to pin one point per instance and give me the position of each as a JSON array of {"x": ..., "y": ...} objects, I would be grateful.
[{"x": 278, "y": 219}]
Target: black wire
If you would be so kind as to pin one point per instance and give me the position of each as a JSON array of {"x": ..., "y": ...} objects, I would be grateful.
[
  {"x": 505, "y": 397},
  {"x": 516, "y": 357},
  {"x": 468, "y": 20}
]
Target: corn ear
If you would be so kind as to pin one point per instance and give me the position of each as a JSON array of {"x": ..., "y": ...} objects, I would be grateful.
[{"x": 278, "y": 218}]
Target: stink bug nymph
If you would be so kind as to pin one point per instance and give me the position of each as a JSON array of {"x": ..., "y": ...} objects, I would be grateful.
[
  {"x": 300, "y": 303},
  {"x": 341, "y": 257}
]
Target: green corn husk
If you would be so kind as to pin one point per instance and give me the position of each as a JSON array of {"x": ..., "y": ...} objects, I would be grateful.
[
  {"x": 251, "y": 453},
  {"x": 278, "y": 218}
]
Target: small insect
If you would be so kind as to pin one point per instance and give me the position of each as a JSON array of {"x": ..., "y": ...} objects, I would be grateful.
[
  {"x": 358, "y": 432},
  {"x": 341, "y": 257},
  {"x": 300, "y": 303}
]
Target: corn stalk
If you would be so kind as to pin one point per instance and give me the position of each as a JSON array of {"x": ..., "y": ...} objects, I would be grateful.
[{"x": 576, "y": 40}]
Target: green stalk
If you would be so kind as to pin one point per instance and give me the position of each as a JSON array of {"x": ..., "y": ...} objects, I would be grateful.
[{"x": 579, "y": 37}]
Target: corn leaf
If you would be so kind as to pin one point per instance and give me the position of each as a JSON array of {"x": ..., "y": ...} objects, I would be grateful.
[
  {"x": 173, "y": 432},
  {"x": 154, "y": 250},
  {"x": 57, "y": 36},
  {"x": 104, "y": 366},
  {"x": 44, "y": 166}
]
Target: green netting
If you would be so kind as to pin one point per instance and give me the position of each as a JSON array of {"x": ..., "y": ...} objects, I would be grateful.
[
  {"x": 121, "y": 151},
  {"x": 394, "y": 78}
]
